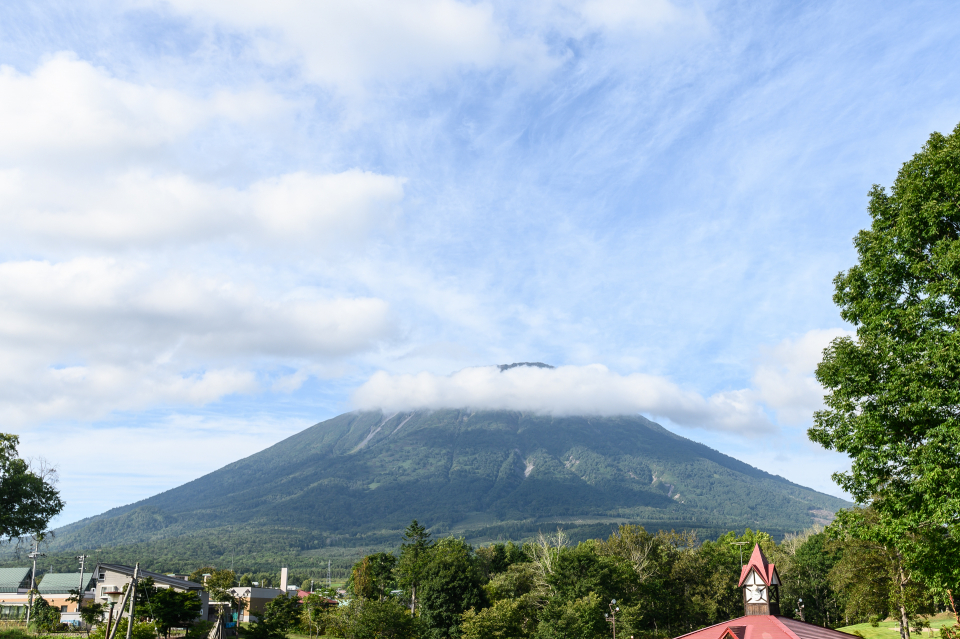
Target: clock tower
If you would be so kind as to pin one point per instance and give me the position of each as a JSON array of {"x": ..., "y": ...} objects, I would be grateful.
[
  {"x": 761, "y": 598},
  {"x": 761, "y": 585}
]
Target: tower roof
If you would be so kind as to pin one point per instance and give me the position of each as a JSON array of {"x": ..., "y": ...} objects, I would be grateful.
[{"x": 766, "y": 570}]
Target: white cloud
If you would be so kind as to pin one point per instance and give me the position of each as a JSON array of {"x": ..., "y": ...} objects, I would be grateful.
[
  {"x": 83, "y": 161},
  {"x": 138, "y": 207},
  {"x": 566, "y": 390},
  {"x": 350, "y": 44},
  {"x": 347, "y": 43},
  {"x": 783, "y": 377},
  {"x": 68, "y": 111},
  {"x": 85, "y": 337}
]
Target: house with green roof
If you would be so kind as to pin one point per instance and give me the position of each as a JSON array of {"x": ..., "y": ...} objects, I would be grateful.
[
  {"x": 55, "y": 587},
  {"x": 14, "y": 580},
  {"x": 14, "y": 584},
  {"x": 60, "y": 583}
]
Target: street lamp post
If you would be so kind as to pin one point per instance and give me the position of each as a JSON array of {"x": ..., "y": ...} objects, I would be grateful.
[
  {"x": 114, "y": 597},
  {"x": 612, "y": 617},
  {"x": 800, "y": 608}
]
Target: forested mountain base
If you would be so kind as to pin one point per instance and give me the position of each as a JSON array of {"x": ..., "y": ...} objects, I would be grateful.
[{"x": 356, "y": 480}]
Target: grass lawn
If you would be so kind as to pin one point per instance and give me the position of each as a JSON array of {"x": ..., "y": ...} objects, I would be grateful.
[{"x": 891, "y": 629}]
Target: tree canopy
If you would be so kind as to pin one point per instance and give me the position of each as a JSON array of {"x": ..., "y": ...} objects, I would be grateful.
[
  {"x": 28, "y": 501},
  {"x": 893, "y": 391}
]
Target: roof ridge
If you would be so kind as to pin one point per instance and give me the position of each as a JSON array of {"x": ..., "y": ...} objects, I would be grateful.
[{"x": 785, "y": 627}]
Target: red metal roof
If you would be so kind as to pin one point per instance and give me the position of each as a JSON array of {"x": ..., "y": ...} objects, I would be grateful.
[
  {"x": 766, "y": 627},
  {"x": 765, "y": 569}
]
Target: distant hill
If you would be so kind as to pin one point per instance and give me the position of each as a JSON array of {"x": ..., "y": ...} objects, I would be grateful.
[{"x": 357, "y": 479}]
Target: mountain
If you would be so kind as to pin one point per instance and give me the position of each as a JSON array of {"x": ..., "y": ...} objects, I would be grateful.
[{"x": 359, "y": 478}]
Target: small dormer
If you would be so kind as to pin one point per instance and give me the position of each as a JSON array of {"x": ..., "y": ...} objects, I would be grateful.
[{"x": 761, "y": 585}]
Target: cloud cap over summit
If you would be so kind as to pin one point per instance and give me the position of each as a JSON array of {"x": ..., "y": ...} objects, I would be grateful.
[{"x": 566, "y": 390}]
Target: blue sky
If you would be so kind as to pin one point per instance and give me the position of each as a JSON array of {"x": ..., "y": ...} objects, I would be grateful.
[{"x": 224, "y": 221}]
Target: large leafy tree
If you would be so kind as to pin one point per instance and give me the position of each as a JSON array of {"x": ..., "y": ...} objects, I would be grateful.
[
  {"x": 171, "y": 608},
  {"x": 372, "y": 576},
  {"x": 28, "y": 500},
  {"x": 893, "y": 401},
  {"x": 451, "y": 583},
  {"x": 373, "y": 619}
]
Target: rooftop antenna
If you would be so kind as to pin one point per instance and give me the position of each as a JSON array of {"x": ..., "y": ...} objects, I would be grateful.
[{"x": 741, "y": 544}]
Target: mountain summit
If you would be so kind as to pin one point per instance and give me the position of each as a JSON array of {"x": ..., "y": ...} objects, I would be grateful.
[{"x": 483, "y": 474}]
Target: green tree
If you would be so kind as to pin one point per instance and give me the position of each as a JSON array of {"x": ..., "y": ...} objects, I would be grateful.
[
  {"x": 197, "y": 575},
  {"x": 313, "y": 613},
  {"x": 221, "y": 580},
  {"x": 893, "y": 391},
  {"x": 505, "y": 619},
  {"x": 283, "y": 612},
  {"x": 579, "y": 619},
  {"x": 413, "y": 558},
  {"x": 516, "y": 581},
  {"x": 807, "y": 577},
  {"x": 584, "y": 570},
  {"x": 43, "y": 615},
  {"x": 452, "y": 583},
  {"x": 373, "y": 576},
  {"x": 872, "y": 572},
  {"x": 171, "y": 608},
  {"x": 373, "y": 619},
  {"x": 28, "y": 499}
]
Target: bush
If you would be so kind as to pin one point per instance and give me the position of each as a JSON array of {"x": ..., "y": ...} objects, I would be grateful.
[
  {"x": 44, "y": 617},
  {"x": 264, "y": 629},
  {"x": 141, "y": 630},
  {"x": 200, "y": 629},
  {"x": 372, "y": 619}
]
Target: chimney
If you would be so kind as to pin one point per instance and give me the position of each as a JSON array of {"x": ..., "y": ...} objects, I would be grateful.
[{"x": 283, "y": 579}]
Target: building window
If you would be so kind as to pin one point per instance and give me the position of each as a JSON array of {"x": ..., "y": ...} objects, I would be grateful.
[
  {"x": 102, "y": 576},
  {"x": 63, "y": 608}
]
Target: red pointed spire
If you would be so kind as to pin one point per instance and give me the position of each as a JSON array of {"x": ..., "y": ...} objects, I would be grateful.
[{"x": 765, "y": 569}]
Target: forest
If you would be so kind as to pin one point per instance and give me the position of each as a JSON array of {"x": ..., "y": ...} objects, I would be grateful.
[{"x": 657, "y": 585}]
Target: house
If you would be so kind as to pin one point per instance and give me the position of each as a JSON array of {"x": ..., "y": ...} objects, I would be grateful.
[
  {"x": 113, "y": 577},
  {"x": 761, "y": 600},
  {"x": 14, "y": 584},
  {"x": 55, "y": 587},
  {"x": 255, "y": 600}
]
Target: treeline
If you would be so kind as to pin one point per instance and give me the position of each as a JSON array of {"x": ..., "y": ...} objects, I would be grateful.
[{"x": 658, "y": 585}]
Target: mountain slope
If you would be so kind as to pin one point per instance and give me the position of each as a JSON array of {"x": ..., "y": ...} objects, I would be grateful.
[{"x": 487, "y": 473}]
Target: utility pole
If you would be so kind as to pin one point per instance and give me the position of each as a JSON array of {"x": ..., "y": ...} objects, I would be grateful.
[
  {"x": 133, "y": 597},
  {"x": 741, "y": 544},
  {"x": 328, "y": 575},
  {"x": 33, "y": 575},
  {"x": 82, "y": 559}
]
